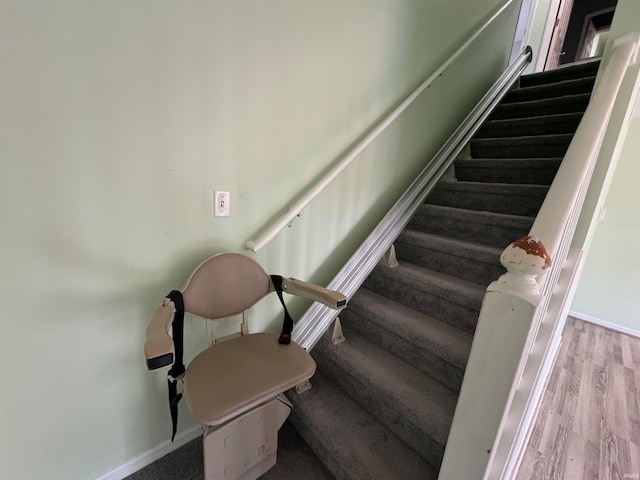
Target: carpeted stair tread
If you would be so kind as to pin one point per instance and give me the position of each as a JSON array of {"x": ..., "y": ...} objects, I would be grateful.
[
  {"x": 350, "y": 441},
  {"x": 530, "y": 171},
  {"x": 547, "y": 106},
  {"x": 409, "y": 328},
  {"x": 436, "y": 294},
  {"x": 538, "y": 146},
  {"x": 580, "y": 70},
  {"x": 469, "y": 261},
  {"x": 570, "y": 86},
  {"x": 487, "y": 228},
  {"x": 514, "y": 199},
  {"x": 418, "y": 339},
  {"x": 416, "y": 408},
  {"x": 541, "y": 125}
]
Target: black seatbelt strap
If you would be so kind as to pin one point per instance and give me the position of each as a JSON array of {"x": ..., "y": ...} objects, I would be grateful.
[
  {"x": 287, "y": 323},
  {"x": 178, "y": 369}
]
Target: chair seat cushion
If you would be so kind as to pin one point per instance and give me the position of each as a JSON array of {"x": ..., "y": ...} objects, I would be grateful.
[{"x": 232, "y": 377}]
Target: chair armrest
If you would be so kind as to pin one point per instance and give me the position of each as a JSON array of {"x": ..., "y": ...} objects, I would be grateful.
[
  {"x": 158, "y": 347},
  {"x": 330, "y": 298}
]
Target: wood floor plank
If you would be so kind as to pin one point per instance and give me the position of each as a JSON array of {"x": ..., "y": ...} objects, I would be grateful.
[
  {"x": 553, "y": 379},
  {"x": 634, "y": 452},
  {"x": 539, "y": 467},
  {"x": 582, "y": 425},
  {"x": 617, "y": 354},
  {"x": 633, "y": 411},
  {"x": 624, "y": 456},
  {"x": 575, "y": 456},
  {"x": 558, "y": 454},
  {"x": 610, "y": 468},
  {"x": 591, "y": 461},
  {"x": 528, "y": 461},
  {"x": 588, "y": 421},
  {"x": 630, "y": 379},
  {"x": 635, "y": 350},
  {"x": 611, "y": 445}
]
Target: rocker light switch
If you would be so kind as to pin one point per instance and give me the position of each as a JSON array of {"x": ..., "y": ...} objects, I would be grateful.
[{"x": 221, "y": 204}]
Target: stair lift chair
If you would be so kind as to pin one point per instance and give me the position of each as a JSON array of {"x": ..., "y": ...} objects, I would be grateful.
[{"x": 235, "y": 387}]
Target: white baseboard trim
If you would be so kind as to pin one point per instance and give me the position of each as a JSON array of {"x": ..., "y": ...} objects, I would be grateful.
[
  {"x": 603, "y": 323},
  {"x": 152, "y": 455}
]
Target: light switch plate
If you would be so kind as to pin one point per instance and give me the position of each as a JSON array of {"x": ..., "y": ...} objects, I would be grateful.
[{"x": 221, "y": 203}]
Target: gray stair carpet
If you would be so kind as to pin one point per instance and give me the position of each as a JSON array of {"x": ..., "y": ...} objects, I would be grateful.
[{"x": 383, "y": 401}]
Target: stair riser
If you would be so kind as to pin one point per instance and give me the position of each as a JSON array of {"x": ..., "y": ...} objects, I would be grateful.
[
  {"x": 470, "y": 230},
  {"x": 425, "y": 361},
  {"x": 386, "y": 411},
  {"x": 527, "y": 205},
  {"x": 423, "y": 298},
  {"x": 540, "y": 108},
  {"x": 487, "y": 149},
  {"x": 578, "y": 71},
  {"x": 527, "y": 127},
  {"x": 468, "y": 269},
  {"x": 329, "y": 422},
  {"x": 521, "y": 176},
  {"x": 323, "y": 452},
  {"x": 540, "y": 92}
]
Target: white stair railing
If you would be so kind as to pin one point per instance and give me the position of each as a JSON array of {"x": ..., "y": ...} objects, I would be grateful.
[{"x": 523, "y": 312}]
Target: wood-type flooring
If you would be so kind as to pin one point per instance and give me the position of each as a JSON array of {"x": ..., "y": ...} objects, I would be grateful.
[{"x": 588, "y": 422}]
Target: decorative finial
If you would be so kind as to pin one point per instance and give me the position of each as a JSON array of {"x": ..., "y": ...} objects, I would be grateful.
[
  {"x": 524, "y": 259},
  {"x": 527, "y": 256}
]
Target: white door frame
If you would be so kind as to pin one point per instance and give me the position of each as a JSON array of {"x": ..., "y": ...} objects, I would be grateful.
[{"x": 554, "y": 7}]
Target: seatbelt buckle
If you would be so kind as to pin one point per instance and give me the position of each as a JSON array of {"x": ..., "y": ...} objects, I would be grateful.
[{"x": 175, "y": 379}]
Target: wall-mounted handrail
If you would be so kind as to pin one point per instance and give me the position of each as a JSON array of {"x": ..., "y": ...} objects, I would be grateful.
[
  {"x": 317, "y": 319},
  {"x": 344, "y": 161},
  {"x": 522, "y": 314}
]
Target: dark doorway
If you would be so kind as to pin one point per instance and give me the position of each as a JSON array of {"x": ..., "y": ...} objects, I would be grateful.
[{"x": 587, "y": 31}]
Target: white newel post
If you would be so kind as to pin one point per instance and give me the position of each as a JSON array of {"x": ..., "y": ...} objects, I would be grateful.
[{"x": 493, "y": 369}]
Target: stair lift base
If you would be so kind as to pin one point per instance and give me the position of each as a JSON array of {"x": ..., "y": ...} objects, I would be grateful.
[{"x": 245, "y": 447}]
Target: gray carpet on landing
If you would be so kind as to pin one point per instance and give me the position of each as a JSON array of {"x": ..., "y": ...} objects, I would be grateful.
[{"x": 296, "y": 461}]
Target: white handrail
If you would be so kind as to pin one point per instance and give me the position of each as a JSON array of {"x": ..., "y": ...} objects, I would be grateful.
[
  {"x": 582, "y": 153},
  {"x": 295, "y": 210},
  {"x": 521, "y": 317},
  {"x": 555, "y": 226}
]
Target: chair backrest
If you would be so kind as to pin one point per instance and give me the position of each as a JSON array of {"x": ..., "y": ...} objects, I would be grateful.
[{"x": 225, "y": 285}]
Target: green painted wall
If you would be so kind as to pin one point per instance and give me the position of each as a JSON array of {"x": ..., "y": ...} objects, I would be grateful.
[
  {"x": 119, "y": 119},
  {"x": 610, "y": 282},
  {"x": 608, "y": 288}
]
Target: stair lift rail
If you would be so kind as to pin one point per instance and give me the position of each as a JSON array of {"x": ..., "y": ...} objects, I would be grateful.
[
  {"x": 523, "y": 312},
  {"x": 295, "y": 210},
  {"x": 317, "y": 319}
]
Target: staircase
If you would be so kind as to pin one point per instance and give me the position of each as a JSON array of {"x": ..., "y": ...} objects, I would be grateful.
[{"x": 383, "y": 401}]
